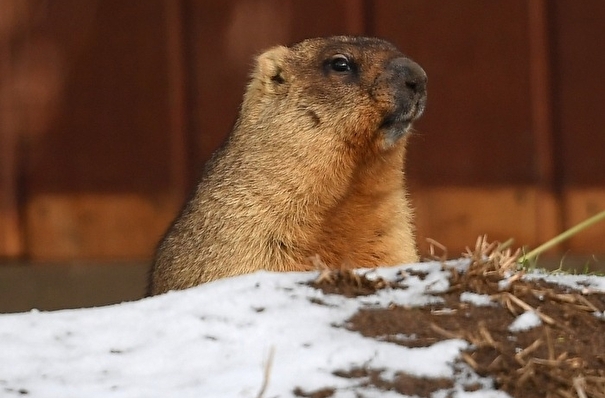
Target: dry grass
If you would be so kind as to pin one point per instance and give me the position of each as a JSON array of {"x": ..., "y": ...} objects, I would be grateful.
[
  {"x": 538, "y": 362},
  {"x": 562, "y": 357}
]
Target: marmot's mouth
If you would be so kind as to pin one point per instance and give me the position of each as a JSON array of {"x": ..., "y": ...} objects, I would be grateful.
[
  {"x": 395, "y": 121},
  {"x": 403, "y": 118},
  {"x": 393, "y": 127},
  {"x": 396, "y": 124}
]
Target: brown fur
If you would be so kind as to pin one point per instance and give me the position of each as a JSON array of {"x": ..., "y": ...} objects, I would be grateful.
[{"x": 313, "y": 167}]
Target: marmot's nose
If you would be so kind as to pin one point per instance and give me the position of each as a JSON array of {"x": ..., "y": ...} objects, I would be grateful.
[{"x": 412, "y": 73}]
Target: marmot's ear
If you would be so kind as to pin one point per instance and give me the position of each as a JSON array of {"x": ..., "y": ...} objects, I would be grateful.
[{"x": 269, "y": 68}]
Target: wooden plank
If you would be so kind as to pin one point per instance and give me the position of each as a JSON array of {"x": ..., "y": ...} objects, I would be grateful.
[
  {"x": 581, "y": 203},
  {"x": 541, "y": 90},
  {"x": 112, "y": 128},
  {"x": 11, "y": 243},
  {"x": 224, "y": 36},
  {"x": 578, "y": 73},
  {"x": 579, "y": 64},
  {"x": 456, "y": 216},
  {"x": 179, "y": 157},
  {"x": 63, "y": 227},
  {"x": 312, "y": 18},
  {"x": 477, "y": 126},
  {"x": 107, "y": 176},
  {"x": 549, "y": 216}
]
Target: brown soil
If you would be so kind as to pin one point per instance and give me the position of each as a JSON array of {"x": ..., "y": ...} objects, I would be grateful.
[{"x": 563, "y": 357}]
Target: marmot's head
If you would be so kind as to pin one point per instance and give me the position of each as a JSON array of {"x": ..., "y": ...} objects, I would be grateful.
[{"x": 361, "y": 91}]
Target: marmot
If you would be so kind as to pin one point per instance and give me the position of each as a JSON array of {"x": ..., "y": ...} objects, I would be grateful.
[{"x": 312, "y": 169}]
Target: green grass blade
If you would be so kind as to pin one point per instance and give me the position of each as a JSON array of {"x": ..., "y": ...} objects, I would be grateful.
[{"x": 563, "y": 236}]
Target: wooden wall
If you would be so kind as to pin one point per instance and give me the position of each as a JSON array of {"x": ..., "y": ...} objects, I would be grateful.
[{"x": 109, "y": 109}]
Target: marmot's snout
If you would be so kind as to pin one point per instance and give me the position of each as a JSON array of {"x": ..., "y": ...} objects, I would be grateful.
[
  {"x": 412, "y": 73},
  {"x": 409, "y": 80},
  {"x": 406, "y": 80}
]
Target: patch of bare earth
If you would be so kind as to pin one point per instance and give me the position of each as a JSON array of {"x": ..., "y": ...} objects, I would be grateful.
[{"x": 562, "y": 357}]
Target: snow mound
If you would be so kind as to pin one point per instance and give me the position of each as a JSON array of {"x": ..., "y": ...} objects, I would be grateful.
[{"x": 225, "y": 339}]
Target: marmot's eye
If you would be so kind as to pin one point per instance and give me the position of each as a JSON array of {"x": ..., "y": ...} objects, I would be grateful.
[{"x": 340, "y": 63}]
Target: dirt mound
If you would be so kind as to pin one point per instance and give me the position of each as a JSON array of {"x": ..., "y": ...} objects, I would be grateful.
[{"x": 558, "y": 352}]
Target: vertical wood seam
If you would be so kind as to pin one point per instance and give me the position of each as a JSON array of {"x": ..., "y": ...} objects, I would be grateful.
[
  {"x": 11, "y": 232},
  {"x": 177, "y": 98},
  {"x": 549, "y": 206}
]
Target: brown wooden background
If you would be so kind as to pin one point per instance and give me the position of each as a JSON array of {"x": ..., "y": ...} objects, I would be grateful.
[{"x": 109, "y": 108}]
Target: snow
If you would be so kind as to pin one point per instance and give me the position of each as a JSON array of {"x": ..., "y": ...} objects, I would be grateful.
[
  {"x": 525, "y": 321},
  {"x": 479, "y": 300},
  {"x": 217, "y": 340},
  {"x": 583, "y": 283}
]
